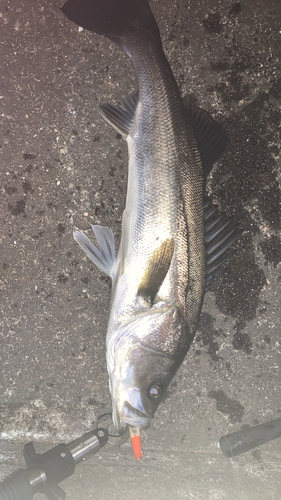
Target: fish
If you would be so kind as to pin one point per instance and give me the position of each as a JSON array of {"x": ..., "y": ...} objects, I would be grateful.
[{"x": 174, "y": 239}]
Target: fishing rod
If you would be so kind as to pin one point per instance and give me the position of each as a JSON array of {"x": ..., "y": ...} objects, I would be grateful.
[
  {"x": 246, "y": 439},
  {"x": 45, "y": 471}
]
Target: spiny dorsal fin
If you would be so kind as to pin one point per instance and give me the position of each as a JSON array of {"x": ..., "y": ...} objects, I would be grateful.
[
  {"x": 220, "y": 232},
  {"x": 210, "y": 136},
  {"x": 157, "y": 267},
  {"x": 121, "y": 119}
]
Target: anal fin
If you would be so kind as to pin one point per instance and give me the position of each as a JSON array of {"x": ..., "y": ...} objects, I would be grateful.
[
  {"x": 104, "y": 257},
  {"x": 121, "y": 119}
]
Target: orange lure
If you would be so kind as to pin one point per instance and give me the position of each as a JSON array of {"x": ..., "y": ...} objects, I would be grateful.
[{"x": 136, "y": 443}]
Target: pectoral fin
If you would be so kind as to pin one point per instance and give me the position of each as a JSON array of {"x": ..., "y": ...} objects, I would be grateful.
[{"x": 157, "y": 267}]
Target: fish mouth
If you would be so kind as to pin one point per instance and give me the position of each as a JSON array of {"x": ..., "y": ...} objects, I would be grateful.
[
  {"x": 131, "y": 416},
  {"x": 135, "y": 417}
]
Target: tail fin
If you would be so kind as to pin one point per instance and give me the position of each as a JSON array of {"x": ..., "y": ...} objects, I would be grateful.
[{"x": 115, "y": 19}]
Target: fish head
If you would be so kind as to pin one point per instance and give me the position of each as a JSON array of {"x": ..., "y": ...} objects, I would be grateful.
[{"x": 142, "y": 360}]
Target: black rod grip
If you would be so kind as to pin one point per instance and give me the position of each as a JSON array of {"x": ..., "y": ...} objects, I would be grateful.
[
  {"x": 16, "y": 487},
  {"x": 245, "y": 440}
]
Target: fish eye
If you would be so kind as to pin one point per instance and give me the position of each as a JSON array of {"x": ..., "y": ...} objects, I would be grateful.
[{"x": 155, "y": 391}]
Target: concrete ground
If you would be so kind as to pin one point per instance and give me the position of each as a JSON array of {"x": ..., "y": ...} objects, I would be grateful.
[{"x": 63, "y": 167}]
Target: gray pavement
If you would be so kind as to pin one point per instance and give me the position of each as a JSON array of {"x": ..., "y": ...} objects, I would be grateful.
[{"x": 61, "y": 168}]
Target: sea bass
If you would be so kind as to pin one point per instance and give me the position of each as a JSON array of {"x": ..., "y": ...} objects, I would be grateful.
[{"x": 173, "y": 239}]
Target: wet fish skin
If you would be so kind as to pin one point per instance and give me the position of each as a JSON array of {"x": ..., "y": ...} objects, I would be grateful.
[{"x": 159, "y": 274}]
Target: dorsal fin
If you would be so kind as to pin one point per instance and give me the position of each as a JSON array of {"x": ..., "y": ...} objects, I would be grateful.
[
  {"x": 156, "y": 269},
  {"x": 220, "y": 232},
  {"x": 210, "y": 136}
]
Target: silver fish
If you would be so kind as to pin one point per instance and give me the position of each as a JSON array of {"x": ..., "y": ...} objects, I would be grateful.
[{"x": 166, "y": 253}]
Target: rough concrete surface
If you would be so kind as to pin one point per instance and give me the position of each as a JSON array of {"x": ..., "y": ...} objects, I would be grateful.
[{"x": 61, "y": 168}]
